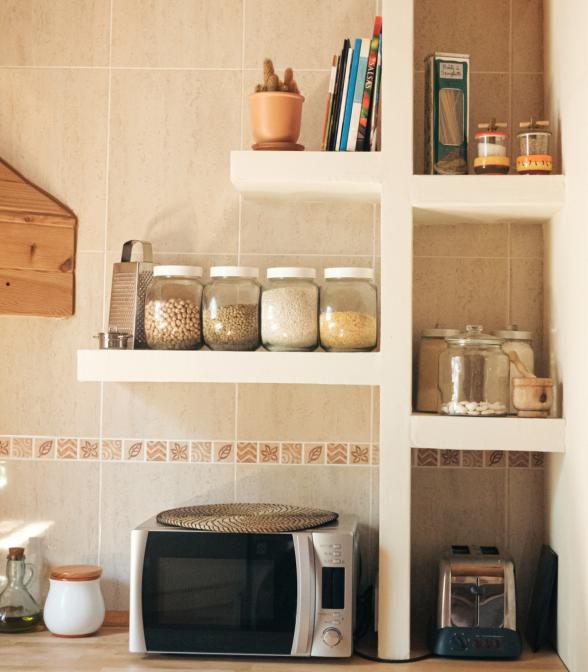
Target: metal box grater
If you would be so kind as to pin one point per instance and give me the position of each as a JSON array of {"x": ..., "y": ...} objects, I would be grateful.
[{"x": 129, "y": 286}]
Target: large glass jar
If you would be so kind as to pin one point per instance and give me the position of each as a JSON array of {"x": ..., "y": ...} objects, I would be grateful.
[
  {"x": 474, "y": 375},
  {"x": 289, "y": 310},
  {"x": 231, "y": 308},
  {"x": 172, "y": 308},
  {"x": 349, "y": 310}
]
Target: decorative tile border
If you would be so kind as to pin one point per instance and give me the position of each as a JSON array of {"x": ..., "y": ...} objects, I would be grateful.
[{"x": 251, "y": 452}]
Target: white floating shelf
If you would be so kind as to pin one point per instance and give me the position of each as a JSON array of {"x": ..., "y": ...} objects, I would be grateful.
[
  {"x": 205, "y": 366},
  {"x": 451, "y": 433},
  {"x": 321, "y": 175},
  {"x": 483, "y": 198}
]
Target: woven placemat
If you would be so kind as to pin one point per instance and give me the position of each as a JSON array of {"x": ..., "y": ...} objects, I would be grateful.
[{"x": 259, "y": 518}]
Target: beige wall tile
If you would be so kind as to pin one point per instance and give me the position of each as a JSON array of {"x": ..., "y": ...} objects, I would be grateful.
[
  {"x": 303, "y": 34},
  {"x": 489, "y": 97},
  {"x": 53, "y": 130},
  {"x": 449, "y": 506},
  {"x": 54, "y": 32},
  {"x": 318, "y": 262},
  {"x": 56, "y": 502},
  {"x": 40, "y": 394},
  {"x": 306, "y": 228},
  {"x": 457, "y": 26},
  {"x": 169, "y": 411},
  {"x": 180, "y": 33},
  {"x": 124, "y": 506},
  {"x": 526, "y": 240},
  {"x": 527, "y": 35},
  {"x": 170, "y": 157},
  {"x": 304, "y": 413},
  {"x": 461, "y": 240},
  {"x": 526, "y": 298}
]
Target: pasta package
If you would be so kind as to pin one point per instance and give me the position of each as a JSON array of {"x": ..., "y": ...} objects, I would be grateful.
[{"x": 447, "y": 103}]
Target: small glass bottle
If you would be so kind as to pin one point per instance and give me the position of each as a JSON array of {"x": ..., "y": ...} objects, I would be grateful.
[{"x": 18, "y": 610}]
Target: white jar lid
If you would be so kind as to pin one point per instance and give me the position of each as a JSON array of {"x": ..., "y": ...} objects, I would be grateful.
[
  {"x": 234, "y": 272},
  {"x": 349, "y": 272},
  {"x": 291, "y": 272},
  {"x": 177, "y": 271}
]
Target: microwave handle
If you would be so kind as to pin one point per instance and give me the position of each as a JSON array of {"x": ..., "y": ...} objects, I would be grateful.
[{"x": 306, "y": 582}]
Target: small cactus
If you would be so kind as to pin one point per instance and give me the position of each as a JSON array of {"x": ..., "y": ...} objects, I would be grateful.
[{"x": 271, "y": 81}]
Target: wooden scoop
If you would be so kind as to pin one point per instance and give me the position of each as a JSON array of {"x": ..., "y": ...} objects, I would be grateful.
[{"x": 521, "y": 368}]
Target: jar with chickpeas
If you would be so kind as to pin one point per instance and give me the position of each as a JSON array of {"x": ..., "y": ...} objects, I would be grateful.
[{"x": 173, "y": 308}]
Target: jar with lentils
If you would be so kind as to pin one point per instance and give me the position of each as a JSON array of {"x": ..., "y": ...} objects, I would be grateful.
[
  {"x": 349, "y": 310},
  {"x": 289, "y": 310},
  {"x": 172, "y": 308},
  {"x": 231, "y": 308}
]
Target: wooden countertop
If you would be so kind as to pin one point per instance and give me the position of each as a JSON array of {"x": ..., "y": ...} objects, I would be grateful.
[{"x": 108, "y": 652}]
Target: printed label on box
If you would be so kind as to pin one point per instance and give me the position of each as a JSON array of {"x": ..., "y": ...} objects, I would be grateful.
[{"x": 451, "y": 71}]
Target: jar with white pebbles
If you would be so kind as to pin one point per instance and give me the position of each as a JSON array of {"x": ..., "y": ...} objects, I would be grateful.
[
  {"x": 172, "y": 308},
  {"x": 289, "y": 310},
  {"x": 474, "y": 375}
]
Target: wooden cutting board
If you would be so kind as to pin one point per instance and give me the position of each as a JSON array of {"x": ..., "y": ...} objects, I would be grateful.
[{"x": 37, "y": 249}]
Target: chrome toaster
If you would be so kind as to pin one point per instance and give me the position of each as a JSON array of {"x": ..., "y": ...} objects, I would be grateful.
[{"x": 476, "y": 611}]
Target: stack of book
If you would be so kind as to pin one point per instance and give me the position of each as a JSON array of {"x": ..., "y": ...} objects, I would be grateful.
[{"x": 353, "y": 104}]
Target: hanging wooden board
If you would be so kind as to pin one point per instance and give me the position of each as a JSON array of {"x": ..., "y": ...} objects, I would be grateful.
[{"x": 37, "y": 249}]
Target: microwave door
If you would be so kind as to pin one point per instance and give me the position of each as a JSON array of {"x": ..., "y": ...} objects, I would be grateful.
[{"x": 205, "y": 592}]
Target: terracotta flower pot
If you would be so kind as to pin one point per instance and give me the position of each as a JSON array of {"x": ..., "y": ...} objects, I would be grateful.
[{"x": 275, "y": 119}]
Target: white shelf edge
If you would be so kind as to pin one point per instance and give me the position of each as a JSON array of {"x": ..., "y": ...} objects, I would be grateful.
[
  {"x": 441, "y": 432},
  {"x": 204, "y": 366}
]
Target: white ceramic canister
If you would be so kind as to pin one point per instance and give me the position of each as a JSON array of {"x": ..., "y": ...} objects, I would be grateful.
[
  {"x": 74, "y": 606},
  {"x": 521, "y": 343}
]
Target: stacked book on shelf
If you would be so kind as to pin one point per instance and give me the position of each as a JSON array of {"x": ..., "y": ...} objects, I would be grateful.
[{"x": 353, "y": 103}]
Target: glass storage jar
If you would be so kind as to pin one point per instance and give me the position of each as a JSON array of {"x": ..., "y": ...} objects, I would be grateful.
[
  {"x": 492, "y": 158},
  {"x": 172, "y": 308},
  {"x": 473, "y": 375},
  {"x": 521, "y": 343},
  {"x": 534, "y": 148},
  {"x": 433, "y": 343},
  {"x": 348, "y": 310},
  {"x": 289, "y": 309},
  {"x": 231, "y": 308}
]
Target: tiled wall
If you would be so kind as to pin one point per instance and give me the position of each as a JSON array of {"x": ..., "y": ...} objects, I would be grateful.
[{"x": 505, "y": 42}]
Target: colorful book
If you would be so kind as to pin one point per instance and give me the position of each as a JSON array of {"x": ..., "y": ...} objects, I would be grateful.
[
  {"x": 350, "y": 93},
  {"x": 327, "y": 125},
  {"x": 363, "y": 131},
  {"x": 346, "y": 80},
  {"x": 358, "y": 94},
  {"x": 337, "y": 95},
  {"x": 375, "y": 111}
]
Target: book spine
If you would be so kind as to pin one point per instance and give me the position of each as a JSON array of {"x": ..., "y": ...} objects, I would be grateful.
[
  {"x": 358, "y": 94},
  {"x": 337, "y": 96},
  {"x": 350, "y": 94},
  {"x": 344, "y": 98},
  {"x": 375, "y": 112},
  {"x": 329, "y": 104},
  {"x": 362, "y": 132}
]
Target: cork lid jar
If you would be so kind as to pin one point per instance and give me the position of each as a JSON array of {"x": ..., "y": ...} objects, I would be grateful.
[{"x": 76, "y": 573}]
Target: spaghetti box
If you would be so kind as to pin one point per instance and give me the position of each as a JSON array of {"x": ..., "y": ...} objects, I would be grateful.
[{"x": 447, "y": 104}]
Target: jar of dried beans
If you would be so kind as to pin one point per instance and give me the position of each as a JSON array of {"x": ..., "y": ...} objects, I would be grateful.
[
  {"x": 172, "y": 308},
  {"x": 349, "y": 310},
  {"x": 230, "y": 308}
]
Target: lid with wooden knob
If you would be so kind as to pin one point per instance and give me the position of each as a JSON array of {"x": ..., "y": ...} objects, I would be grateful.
[{"x": 76, "y": 573}]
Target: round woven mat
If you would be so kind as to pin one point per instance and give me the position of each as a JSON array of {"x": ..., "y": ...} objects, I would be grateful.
[{"x": 260, "y": 518}]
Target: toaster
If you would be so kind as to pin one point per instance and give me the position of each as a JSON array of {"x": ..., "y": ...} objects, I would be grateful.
[{"x": 476, "y": 611}]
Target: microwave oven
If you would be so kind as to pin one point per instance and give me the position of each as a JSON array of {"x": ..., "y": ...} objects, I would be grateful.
[{"x": 286, "y": 594}]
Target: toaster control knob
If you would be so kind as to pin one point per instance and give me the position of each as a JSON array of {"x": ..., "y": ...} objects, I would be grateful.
[
  {"x": 459, "y": 643},
  {"x": 332, "y": 636}
]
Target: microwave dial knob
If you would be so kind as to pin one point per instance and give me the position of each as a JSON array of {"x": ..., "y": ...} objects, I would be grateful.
[{"x": 332, "y": 636}]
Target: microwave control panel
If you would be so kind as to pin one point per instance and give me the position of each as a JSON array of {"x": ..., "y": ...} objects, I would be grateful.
[{"x": 333, "y": 631}]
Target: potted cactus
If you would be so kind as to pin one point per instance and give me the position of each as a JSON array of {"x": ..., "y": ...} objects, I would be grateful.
[{"x": 275, "y": 111}]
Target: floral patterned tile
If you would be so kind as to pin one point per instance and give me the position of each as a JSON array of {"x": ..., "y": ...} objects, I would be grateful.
[
  {"x": 427, "y": 457},
  {"x": 67, "y": 449},
  {"x": 22, "y": 447},
  {"x": 472, "y": 458},
  {"x": 247, "y": 453},
  {"x": 449, "y": 458},
  {"x": 291, "y": 453},
  {"x": 314, "y": 453},
  {"x": 134, "y": 450},
  {"x": 178, "y": 451},
  {"x": 45, "y": 448},
  {"x": 224, "y": 452},
  {"x": 337, "y": 453},
  {"x": 269, "y": 453},
  {"x": 359, "y": 453},
  {"x": 538, "y": 460},
  {"x": 518, "y": 459},
  {"x": 111, "y": 449},
  {"x": 495, "y": 459},
  {"x": 375, "y": 453},
  {"x": 88, "y": 449},
  {"x": 201, "y": 451},
  {"x": 4, "y": 446},
  {"x": 156, "y": 451}
]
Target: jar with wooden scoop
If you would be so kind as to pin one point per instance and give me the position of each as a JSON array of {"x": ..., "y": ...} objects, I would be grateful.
[{"x": 531, "y": 396}]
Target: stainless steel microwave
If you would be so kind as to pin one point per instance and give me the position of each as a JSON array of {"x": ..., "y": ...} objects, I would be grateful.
[{"x": 288, "y": 594}]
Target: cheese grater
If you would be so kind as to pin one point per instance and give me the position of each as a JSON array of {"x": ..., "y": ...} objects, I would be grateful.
[{"x": 127, "y": 298}]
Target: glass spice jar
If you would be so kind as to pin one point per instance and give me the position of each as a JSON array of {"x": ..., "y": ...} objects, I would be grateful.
[
  {"x": 172, "y": 308},
  {"x": 289, "y": 310},
  {"x": 348, "y": 310},
  {"x": 474, "y": 375},
  {"x": 492, "y": 158},
  {"x": 230, "y": 308},
  {"x": 534, "y": 148}
]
